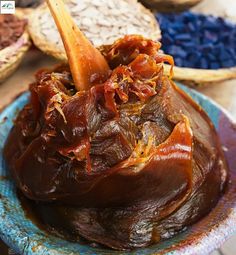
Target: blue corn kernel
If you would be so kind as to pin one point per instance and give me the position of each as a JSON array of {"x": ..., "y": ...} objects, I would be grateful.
[
  {"x": 167, "y": 39},
  {"x": 177, "y": 27},
  {"x": 188, "y": 46},
  {"x": 178, "y": 61},
  {"x": 181, "y": 53},
  {"x": 216, "y": 50},
  {"x": 183, "y": 37},
  {"x": 206, "y": 48},
  {"x": 192, "y": 27},
  {"x": 211, "y": 57},
  {"x": 210, "y": 26},
  {"x": 204, "y": 63},
  {"x": 193, "y": 57},
  {"x": 214, "y": 65},
  {"x": 173, "y": 50},
  {"x": 171, "y": 31},
  {"x": 232, "y": 53},
  {"x": 228, "y": 63},
  {"x": 198, "y": 65},
  {"x": 211, "y": 37},
  {"x": 198, "y": 40},
  {"x": 224, "y": 54}
]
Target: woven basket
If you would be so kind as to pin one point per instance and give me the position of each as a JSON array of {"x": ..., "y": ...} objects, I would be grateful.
[
  {"x": 197, "y": 77},
  {"x": 11, "y": 56},
  {"x": 170, "y": 5},
  {"x": 218, "y": 8},
  {"x": 46, "y": 37},
  {"x": 24, "y": 13}
]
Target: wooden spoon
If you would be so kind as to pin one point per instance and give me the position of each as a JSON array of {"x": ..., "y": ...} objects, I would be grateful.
[{"x": 86, "y": 62}]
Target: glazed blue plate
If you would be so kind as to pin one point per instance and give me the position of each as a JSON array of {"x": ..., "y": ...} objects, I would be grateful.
[{"x": 22, "y": 235}]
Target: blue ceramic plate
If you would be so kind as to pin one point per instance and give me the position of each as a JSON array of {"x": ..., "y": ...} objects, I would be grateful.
[{"x": 202, "y": 238}]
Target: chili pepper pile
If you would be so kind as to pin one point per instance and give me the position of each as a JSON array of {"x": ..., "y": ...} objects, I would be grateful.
[{"x": 198, "y": 41}]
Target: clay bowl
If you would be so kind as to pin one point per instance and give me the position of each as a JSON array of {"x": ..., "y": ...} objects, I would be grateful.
[{"x": 21, "y": 234}]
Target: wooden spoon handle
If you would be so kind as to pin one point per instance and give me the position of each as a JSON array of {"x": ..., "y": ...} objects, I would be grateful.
[{"x": 85, "y": 61}]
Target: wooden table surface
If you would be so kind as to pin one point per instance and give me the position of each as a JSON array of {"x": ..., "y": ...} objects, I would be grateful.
[{"x": 223, "y": 93}]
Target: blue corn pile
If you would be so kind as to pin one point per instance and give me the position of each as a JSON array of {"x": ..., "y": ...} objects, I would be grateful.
[{"x": 198, "y": 41}]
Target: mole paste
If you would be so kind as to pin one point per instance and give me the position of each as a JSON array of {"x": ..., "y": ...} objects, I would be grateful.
[{"x": 126, "y": 164}]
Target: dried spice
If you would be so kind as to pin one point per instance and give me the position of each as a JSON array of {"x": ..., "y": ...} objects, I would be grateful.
[
  {"x": 199, "y": 41},
  {"x": 11, "y": 29}
]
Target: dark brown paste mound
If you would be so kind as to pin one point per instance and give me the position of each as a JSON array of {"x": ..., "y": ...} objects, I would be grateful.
[
  {"x": 126, "y": 164},
  {"x": 11, "y": 29}
]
